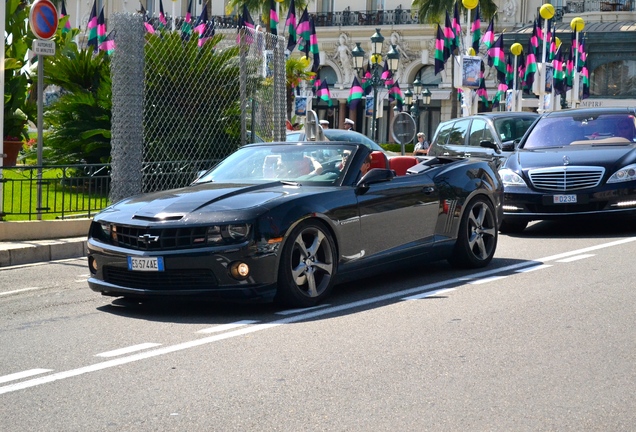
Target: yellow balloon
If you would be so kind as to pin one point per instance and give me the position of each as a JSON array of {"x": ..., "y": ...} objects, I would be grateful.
[
  {"x": 470, "y": 4},
  {"x": 577, "y": 24},
  {"x": 471, "y": 51},
  {"x": 516, "y": 49},
  {"x": 279, "y": 1},
  {"x": 558, "y": 42},
  {"x": 546, "y": 11},
  {"x": 376, "y": 58},
  {"x": 304, "y": 60}
]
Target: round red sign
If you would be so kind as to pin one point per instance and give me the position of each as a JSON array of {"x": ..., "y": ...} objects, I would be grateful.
[{"x": 43, "y": 19}]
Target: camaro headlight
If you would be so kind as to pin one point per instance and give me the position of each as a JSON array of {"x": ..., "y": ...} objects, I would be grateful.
[
  {"x": 624, "y": 174},
  {"x": 511, "y": 178},
  {"x": 218, "y": 234}
]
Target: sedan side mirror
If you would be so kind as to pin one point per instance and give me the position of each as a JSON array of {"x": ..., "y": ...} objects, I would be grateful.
[{"x": 491, "y": 145}]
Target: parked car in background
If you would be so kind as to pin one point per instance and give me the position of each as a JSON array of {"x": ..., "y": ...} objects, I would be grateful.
[
  {"x": 572, "y": 163},
  {"x": 485, "y": 135},
  {"x": 271, "y": 222},
  {"x": 342, "y": 135}
]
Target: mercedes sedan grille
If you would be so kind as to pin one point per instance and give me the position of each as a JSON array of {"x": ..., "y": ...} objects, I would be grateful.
[{"x": 566, "y": 178}]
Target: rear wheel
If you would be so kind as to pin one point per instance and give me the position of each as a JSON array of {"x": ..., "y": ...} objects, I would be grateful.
[
  {"x": 477, "y": 237},
  {"x": 307, "y": 267},
  {"x": 509, "y": 227}
]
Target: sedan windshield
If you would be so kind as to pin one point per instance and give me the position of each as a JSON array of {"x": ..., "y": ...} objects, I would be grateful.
[
  {"x": 319, "y": 163},
  {"x": 576, "y": 129}
]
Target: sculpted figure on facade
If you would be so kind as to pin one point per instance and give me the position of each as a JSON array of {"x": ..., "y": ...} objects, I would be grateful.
[
  {"x": 510, "y": 10},
  {"x": 344, "y": 58},
  {"x": 396, "y": 40}
]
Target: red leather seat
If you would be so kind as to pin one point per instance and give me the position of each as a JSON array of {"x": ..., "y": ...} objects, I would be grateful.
[
  {"x": 379, "y": 160},
  {"x": 400, "y": 164}
]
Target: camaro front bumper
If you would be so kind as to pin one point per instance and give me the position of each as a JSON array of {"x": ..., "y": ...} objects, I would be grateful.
[{"x": 204, "y": 272}]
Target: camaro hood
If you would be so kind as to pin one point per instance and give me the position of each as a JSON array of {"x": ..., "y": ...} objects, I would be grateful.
[
  {"x": 191, "y": 202},
  {"x": 606, "y": 156}
]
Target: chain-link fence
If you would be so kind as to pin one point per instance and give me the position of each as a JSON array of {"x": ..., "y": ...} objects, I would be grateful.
[{"x": 202, "y": 95}]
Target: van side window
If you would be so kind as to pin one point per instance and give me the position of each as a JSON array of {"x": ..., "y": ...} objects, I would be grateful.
[
  {"x": 444, "y": 133},
  {"x": 458, "y": 134},
  {"x": 479, "y": 131}
]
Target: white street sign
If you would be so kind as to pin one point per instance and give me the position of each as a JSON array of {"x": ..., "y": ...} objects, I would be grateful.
[{"x": 43, "y": 47}]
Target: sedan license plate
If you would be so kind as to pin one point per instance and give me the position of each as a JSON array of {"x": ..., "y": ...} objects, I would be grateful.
[
  {"x": 564, "y": 199},
  {"x": 145, "y": 263}
]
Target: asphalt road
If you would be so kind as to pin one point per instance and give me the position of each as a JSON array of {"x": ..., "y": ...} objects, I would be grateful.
[{"x": 542, "y": 340}]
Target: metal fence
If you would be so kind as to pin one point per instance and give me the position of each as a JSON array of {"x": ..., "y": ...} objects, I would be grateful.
[
  {"x": 67, "y": 190},
  {"x": 202, "y": 98}
]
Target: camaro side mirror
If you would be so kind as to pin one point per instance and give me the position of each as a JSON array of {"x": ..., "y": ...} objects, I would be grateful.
[{"x": 376, "y": 175}]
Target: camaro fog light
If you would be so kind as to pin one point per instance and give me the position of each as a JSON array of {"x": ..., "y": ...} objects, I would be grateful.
[
  {"x": 239, "y": 270},
  {"x": 92, "y": 265}
]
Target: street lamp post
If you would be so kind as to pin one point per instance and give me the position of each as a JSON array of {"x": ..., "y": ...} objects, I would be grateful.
[
  {"x": 419, "y": 92},
  {"x": 376, "y": 80}
]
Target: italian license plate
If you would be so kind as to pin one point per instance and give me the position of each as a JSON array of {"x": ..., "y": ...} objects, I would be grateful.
[
  {"x": 145, "y": 263},
  {"x": 564, "y": 199}
]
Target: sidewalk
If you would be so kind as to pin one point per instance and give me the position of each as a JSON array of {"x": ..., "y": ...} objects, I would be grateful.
[
  {"x": 33, "y": 251},
  {"x": 40, "y": 241}
]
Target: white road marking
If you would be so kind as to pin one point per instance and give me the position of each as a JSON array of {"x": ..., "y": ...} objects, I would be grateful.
[
  {"x": 312, "y": 314},
  {"x": 576, "y": 258},
  {"x": 429, "y": 294},
  {"x": 486, "y": 280},
  {"x": 223, "y": 327},
  {"x": 533, "y": 268},
  {"x": 20, "y": 290},
  {"x": 24, "y": 374},
  {"x": 295, "y": 311},
  {"x": 128, "y": 350}
]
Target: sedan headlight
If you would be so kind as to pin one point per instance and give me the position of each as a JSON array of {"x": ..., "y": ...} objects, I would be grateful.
[
  {"x": 219, "y": 234},
  {"x": 624, "y": 174},
  {"x": 511, "y": 178}
]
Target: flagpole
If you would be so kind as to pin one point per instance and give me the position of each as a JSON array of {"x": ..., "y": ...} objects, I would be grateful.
[
  {"x": 516, "y": 49},
  {"x": 577, "y": 24},
  {"x": 467, "y": 93},
  {"x": 547, "y": 12}
]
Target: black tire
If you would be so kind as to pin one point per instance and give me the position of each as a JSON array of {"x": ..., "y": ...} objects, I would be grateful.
[
  {"x": 509, "y": 227},
  {"x": 307, "y": 267},
  {"x": 477, "y": 237}
]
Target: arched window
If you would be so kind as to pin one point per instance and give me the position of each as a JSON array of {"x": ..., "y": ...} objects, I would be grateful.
[
  {"x": 616, "y": 79},
  {"x": 427, "y": 76},
  {"x": 327, "y": 73}
]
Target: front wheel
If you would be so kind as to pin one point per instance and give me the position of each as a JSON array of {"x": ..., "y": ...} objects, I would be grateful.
[
  {"x": 307, "y": 267},
  {"x": 477, "y": 237}
]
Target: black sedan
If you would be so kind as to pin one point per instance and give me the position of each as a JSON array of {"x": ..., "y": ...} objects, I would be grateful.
[
  {"x": 287, "y": 221},
  {"x": 572, "y": 163}
]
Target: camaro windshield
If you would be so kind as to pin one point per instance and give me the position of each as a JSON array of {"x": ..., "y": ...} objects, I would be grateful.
[
  {"x": 562, "y": 131},
  {"x": 308, "y": 164}
]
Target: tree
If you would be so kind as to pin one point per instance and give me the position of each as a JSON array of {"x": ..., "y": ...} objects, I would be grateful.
[
  {"x": 296, "y": 71},
  {"x": 434, "y": 11}
]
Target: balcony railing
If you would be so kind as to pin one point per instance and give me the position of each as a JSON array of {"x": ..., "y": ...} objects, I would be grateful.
[{"x": 579, "y": 6}]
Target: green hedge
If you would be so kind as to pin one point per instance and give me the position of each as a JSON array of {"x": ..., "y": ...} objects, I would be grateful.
[{"x": 397, "y": 148}]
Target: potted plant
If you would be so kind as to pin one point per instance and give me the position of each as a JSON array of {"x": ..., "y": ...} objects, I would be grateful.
[{"x": 18, "y": 109}]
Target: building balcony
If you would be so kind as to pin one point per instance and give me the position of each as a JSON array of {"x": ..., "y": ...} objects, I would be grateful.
[{"x": 348, "y": 17}]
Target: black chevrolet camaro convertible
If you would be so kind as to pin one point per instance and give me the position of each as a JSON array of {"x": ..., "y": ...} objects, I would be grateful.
[{"x": 287, "y": 221}]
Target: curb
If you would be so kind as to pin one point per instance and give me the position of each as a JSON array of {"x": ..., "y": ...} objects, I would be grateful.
[{"x": 33, "y": 251}]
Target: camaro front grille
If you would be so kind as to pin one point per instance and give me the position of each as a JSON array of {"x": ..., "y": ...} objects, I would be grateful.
[
  {"x": 190, "y": 279},
  {"x": 160, "y": 238},
  {"x": 566, "y": 178}
]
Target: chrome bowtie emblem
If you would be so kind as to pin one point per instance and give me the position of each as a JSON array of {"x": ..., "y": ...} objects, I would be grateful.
[
  {"x": 566, "y": 160},
  {"x": 146, "y": 239}
]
